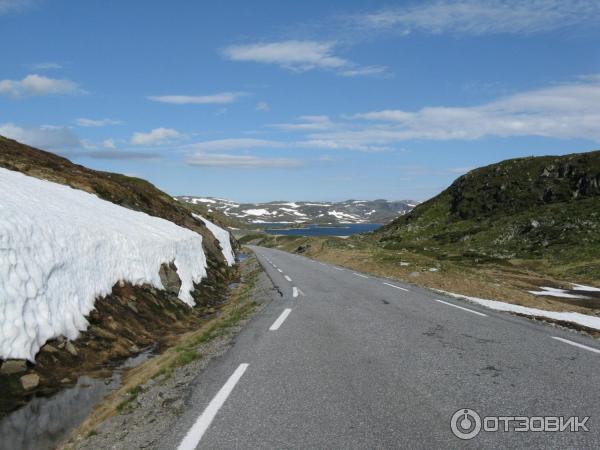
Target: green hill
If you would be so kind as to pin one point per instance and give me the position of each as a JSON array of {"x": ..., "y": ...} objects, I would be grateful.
[{"x": 544, "y": 209}]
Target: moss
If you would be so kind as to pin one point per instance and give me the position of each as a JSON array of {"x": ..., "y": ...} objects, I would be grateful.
[{"x": 545, "y": 209}]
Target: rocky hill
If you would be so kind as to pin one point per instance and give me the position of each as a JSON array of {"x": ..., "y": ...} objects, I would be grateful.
[
  {"x": 541, "y": 208},
  {"x": 112, "y": 273},
  {"x": 349, "y": 211}
]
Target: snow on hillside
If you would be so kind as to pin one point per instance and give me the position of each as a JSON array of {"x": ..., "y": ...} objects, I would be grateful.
[
  {"x": 61, "y": 248},
  {"x": 222, "y": 236},
  {"x": 350, "y": 211}
]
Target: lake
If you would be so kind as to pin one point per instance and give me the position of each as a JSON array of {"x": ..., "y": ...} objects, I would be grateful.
[{"x": 325, "y": 230}]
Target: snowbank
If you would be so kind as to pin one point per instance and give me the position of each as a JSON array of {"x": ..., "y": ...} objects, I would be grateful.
[
  {"x": 554, "y": 292},
  {"x": 222, "y": 236},
  {"x": 61, "y": 248},
  {"x": 573, "y": 317}
]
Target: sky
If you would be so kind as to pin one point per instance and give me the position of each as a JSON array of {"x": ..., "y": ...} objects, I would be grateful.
[{"x": 312, "y": 100}]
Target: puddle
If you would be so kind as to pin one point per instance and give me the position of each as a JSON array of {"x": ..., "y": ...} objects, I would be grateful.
[
  {"x": 45, "y": 422},
  {"x": 242, "y": 257}
]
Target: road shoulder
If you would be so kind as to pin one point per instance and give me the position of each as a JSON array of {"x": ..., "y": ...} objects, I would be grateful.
[{"x": 147, "y": 412}]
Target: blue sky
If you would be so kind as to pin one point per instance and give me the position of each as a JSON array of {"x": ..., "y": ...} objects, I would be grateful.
[{"x": 311, "y": 100}]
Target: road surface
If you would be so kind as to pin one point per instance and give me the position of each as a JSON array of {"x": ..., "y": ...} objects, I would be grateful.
[{"x": 347, "y": 360}]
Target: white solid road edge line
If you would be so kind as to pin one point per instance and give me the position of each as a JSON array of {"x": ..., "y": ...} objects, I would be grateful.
[
  {"x": 286, "y": 312},
  {"x": 287, "y": 278},
  {"x": 585, "y": 347},
  {"x": 460, "y": 307},
  {"x": 295, "y": 292},
  {"x": 360, "y": 275},
  {"x": 192, "y": 438},
  {"x": 397, "y": 287}
]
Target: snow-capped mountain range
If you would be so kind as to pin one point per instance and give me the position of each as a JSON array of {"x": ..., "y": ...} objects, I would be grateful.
[{"x": 349, "y": 211}]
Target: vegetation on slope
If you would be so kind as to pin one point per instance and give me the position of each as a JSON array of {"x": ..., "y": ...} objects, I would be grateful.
[{"x": 544, "y": 209}]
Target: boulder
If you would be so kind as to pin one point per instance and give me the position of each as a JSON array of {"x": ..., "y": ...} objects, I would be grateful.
[
  {"x": 49, "y": 349},
  {"x": 71, "y": 348},
  {"x": 30, "y": 381},
  {"x": 169, "y": 278},
  {"x": 13, "y": 366}
]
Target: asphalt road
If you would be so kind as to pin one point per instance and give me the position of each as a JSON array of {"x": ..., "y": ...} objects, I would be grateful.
[{"x": 344, "y": 360}]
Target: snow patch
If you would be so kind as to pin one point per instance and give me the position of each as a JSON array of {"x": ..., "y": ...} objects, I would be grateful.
[
  {"x": 583, "y": 287},
  {"x": 203, "y": 200},
  {"x": 222, "y": 236},
  {"x": 257, "y": 212},
  {"x": 573, "y": 317},
  {"x": 61, "y": 248},
  {"x": 342, "y": 215},
  {"x": 292, "y": 211},
  {"x": 553, "y": 292}
]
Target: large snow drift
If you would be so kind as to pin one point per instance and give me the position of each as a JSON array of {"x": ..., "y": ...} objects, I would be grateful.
[
  {"x": 222, "y": 236},
  {"x": 61, "y": 248}
]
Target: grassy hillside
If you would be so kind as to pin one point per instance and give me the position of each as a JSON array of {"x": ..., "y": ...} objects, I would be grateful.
[{"x": 543, "y": 209}]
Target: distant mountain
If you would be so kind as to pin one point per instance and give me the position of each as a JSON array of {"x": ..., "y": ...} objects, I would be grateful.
[
  {"x": 349, "y": 211},
  {"x": 541, "y": 208}
]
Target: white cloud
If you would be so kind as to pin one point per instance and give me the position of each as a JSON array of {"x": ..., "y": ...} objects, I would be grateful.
[
  {"x": 262, "y": 106},
  {"x": 46, "y": 66},
  {"x": 300, "y": 56},
  {"x": 242, "y": 161},
  {"x": 304, "y": 123},
  {"x": 562, "y": 111},
  {"x": 118, "y": 155},
  {"x": 479, "y": 17},
  {"x": 155, "y": 137},
  {"x": 109, "y": 143},
  {"x": 340, "y": 141},
  {"x": 460, "y": 170},
  {"x": 365, "y": 71},
  {"x": 235, "y": 144},
  {"x": 295, "y": 55},
  {"x": 45, "y": 137},
  {"x": 214, "y": 99},
  {"x": 83, "y": 122},
  {"x": 34, "y": 84},
  {"x": 8, "y": 6}
]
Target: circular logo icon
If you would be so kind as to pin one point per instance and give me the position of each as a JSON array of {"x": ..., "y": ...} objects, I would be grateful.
[{"x": 465, "y": 424}]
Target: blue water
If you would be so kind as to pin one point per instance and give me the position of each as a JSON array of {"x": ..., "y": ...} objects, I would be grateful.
[{"x": 326, "y": 230}]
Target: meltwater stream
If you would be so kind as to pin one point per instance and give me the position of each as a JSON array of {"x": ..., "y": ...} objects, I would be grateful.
[{"x": 45, "y": 422}]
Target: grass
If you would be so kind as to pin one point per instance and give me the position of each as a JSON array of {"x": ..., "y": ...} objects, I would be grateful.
[{"x": 132, "y": 395}]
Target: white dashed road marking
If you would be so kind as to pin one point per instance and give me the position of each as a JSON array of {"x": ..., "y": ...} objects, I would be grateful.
[
  {"x": 295, "y": 292},
  {"x": 286, "y": 312},
  {"x": 575, "y": 344},
  {"x": 287, "y": 278},
  {"x": 192, "y": 438},
  {"x": 460, "y": 307},
  {"x": 397, "y": 287},
  {"x": 360, "y": 275}
]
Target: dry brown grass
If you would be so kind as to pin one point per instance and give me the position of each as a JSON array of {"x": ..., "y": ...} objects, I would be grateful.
[{"x": 509, "y": 282}]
